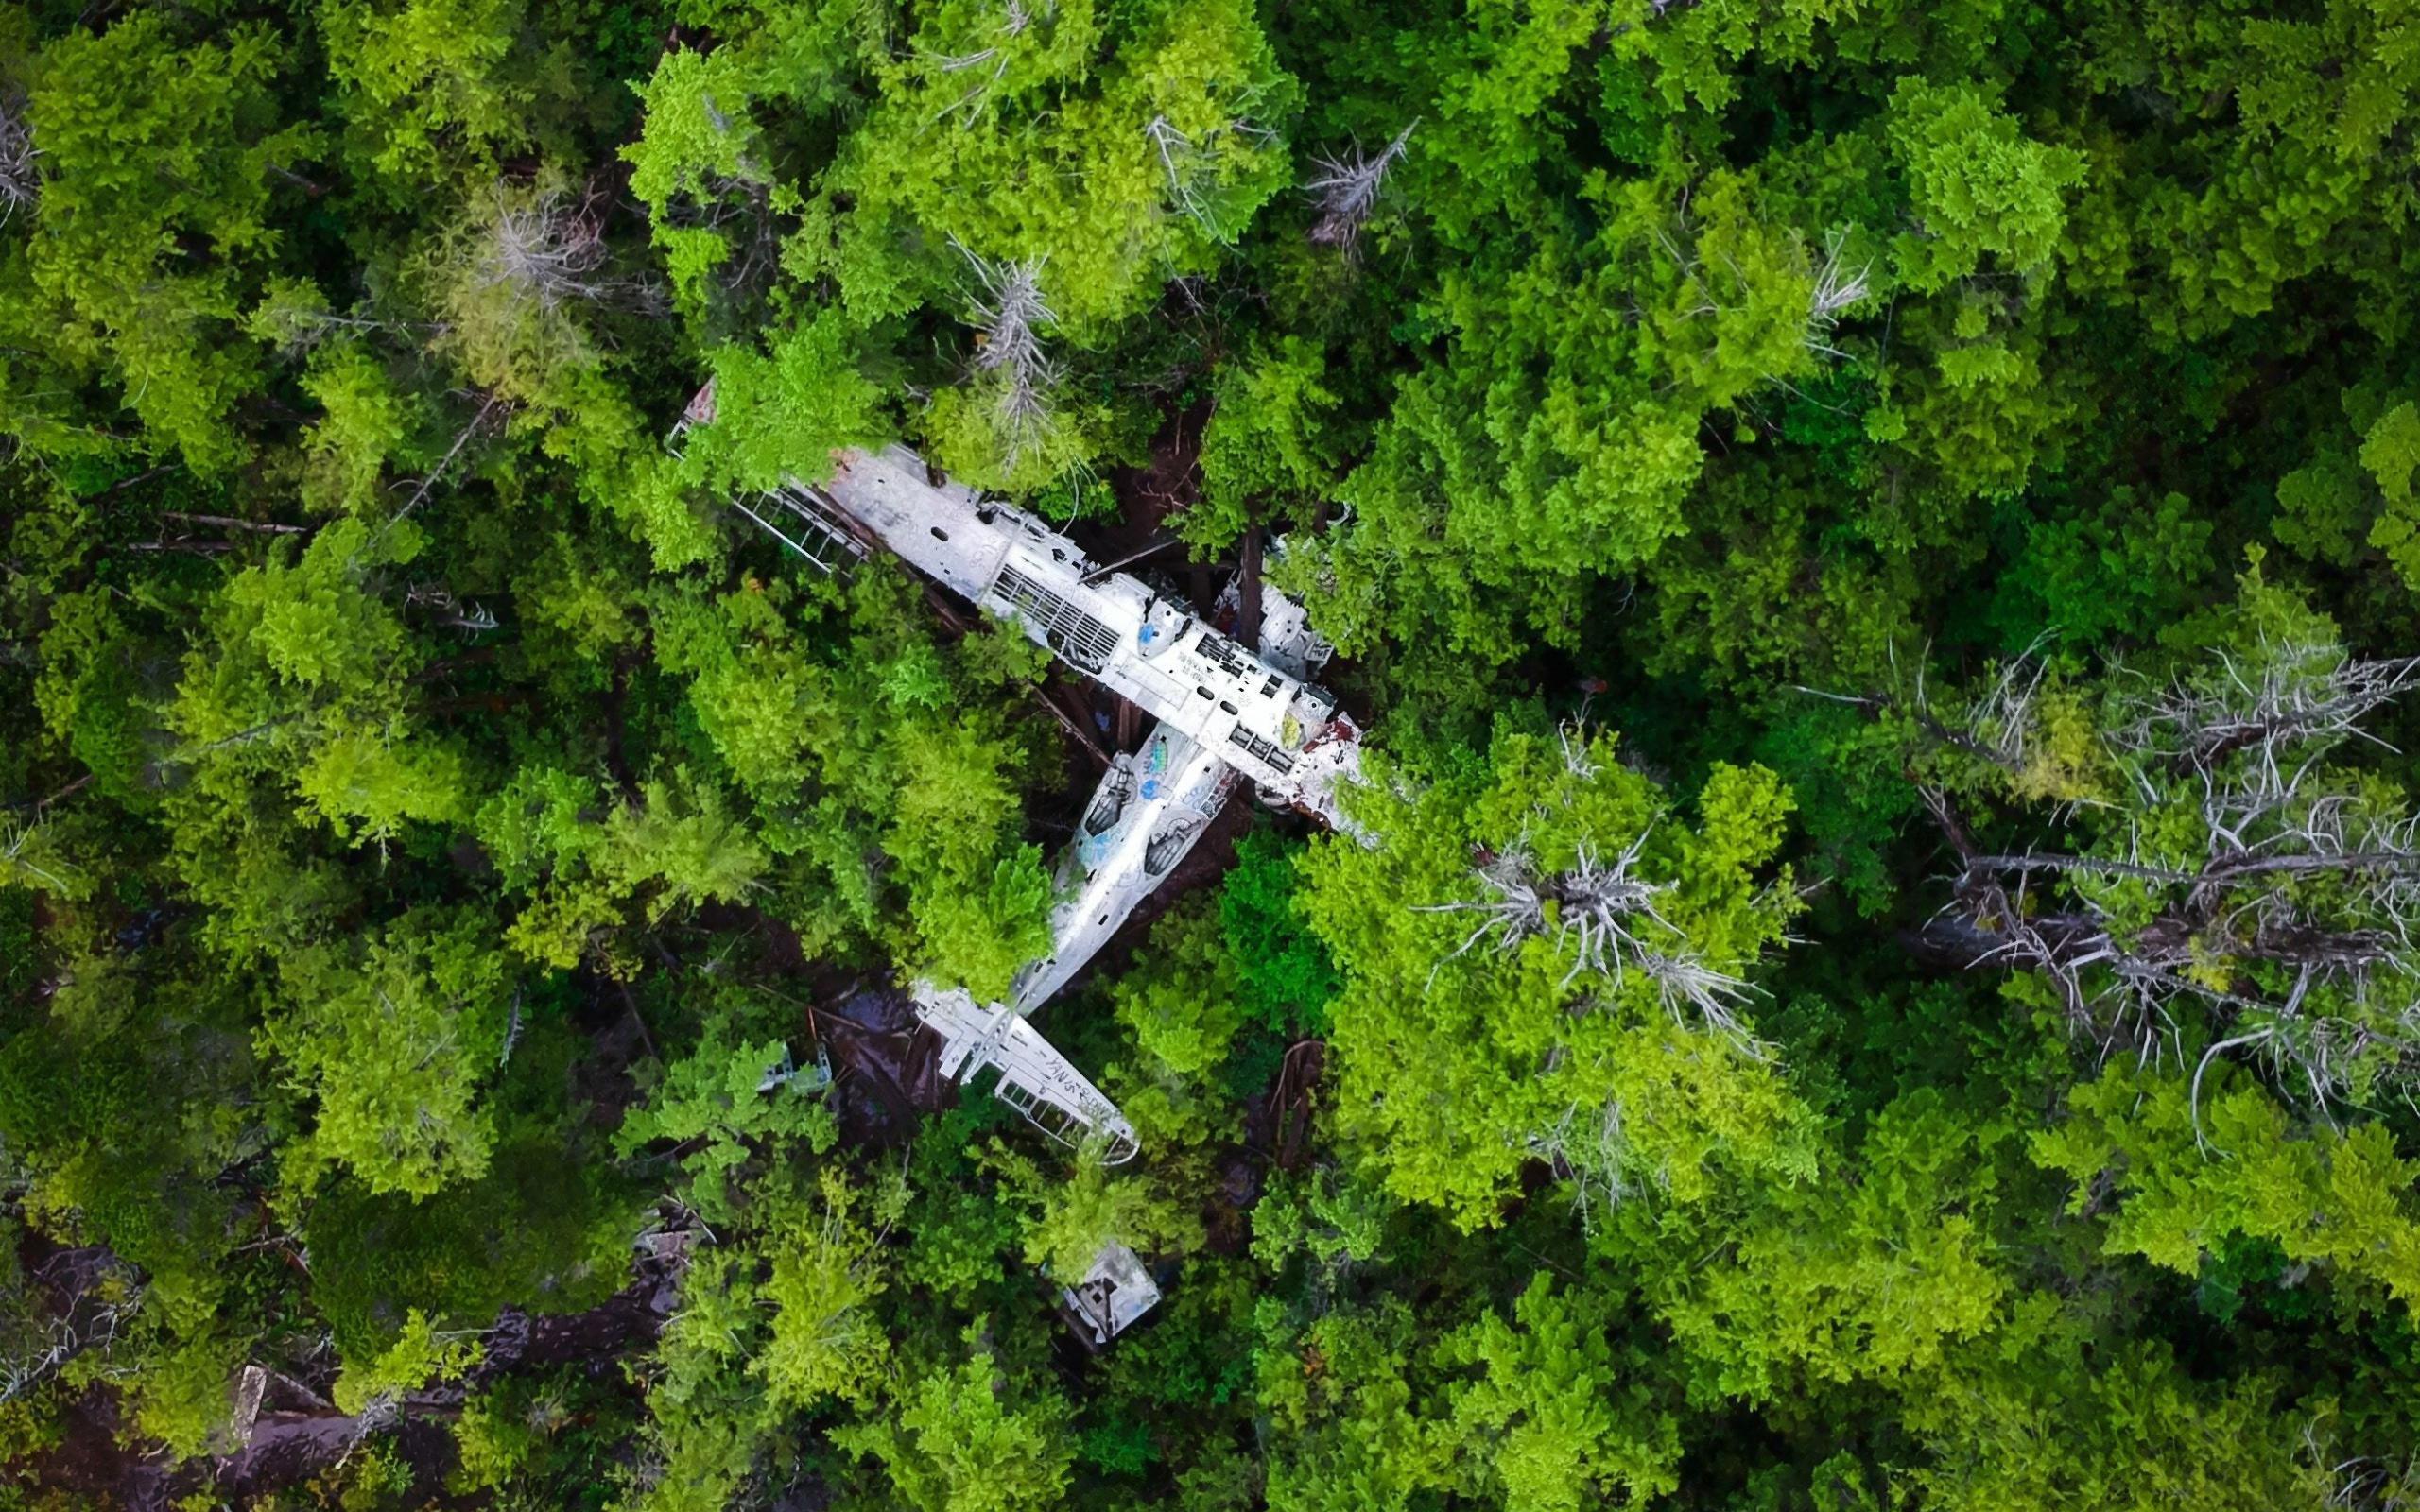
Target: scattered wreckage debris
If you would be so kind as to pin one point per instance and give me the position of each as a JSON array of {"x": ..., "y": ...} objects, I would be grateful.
[
  {"x": 1223, "y": 713},
  {"x": 1114, "y": 1292}
]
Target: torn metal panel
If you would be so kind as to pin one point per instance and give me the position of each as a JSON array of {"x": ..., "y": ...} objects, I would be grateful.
[
  {"x": 1114, "y": 1292},
  {"x": 1149, "y": 809},
  {"x": 1035, "y": 1079},
  {"x": 796, "y": 518},
  {"x": 1287, "y": 640},
  {"x": 784, "y": 1072}
]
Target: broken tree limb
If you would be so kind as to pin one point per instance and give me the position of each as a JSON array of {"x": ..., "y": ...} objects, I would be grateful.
[{"x": 222, "y": 521}]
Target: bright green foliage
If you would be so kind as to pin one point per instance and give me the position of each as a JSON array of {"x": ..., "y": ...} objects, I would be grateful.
[
  {"x": 1343, "y": 1396},
  {"x": 182, "y": 1401},
  {"x": 783, "y": 411},
  {"x": 391, "y": 1040},
  {"x": 716, "y": 1106},
  {"x": 1470, "y": 1041},
  {"x": 826, "y": 1258},
  {"x": 1281, "y": 974},
  {"x": 1874, "y": 1278},
  {"x": 2390, "y": 455},
  {"x": 1093, "y": 1206},
  {"x": 1331, "y": 1217},
  {"x": 2039, "y": 1423},
  {"x": 2188, "y": 1176},
  {"x": 430, "y": 815},
  {"x": 675, "y": 847},
  {"x": 923, "y": 788},
  {"x": 703, "y": 163},
  {"x": 146, "y": 145},
  {"x": 304, "y": 681},
  {"x": 1263, "y": 446},
  {"x": 708, "y": 1414},
  {"x": 419, "y": 1358},
  {"x": 424, "y": 83},
  {"x": 1977, "y": 187},
  {"x": 1182, "y": 1001},
  {"x": 1580, "y": 376},
  {"x": 1547, "y": 1424},
  {"x": 699, "y": 150},
  {"x": 967, "y": 1441},
  {"x": 1115, "y": 148},
  {"x": 363, "y": 423}
]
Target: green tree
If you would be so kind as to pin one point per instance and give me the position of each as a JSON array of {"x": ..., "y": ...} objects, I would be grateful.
[
  {"x": 153, "y": 216},
  {"x": 1547, "y": 1424},
  {"x": 967, "y": 1439},
  {"x": 393, "y": 1038},
  {"x": 1540, "y": 963}
]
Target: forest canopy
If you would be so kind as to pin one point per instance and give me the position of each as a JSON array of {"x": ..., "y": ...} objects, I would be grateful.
[{"x": 1876, "y": 548}]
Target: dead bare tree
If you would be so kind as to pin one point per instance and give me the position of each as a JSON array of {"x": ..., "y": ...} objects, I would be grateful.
[
  {"x": 1193, "y": 167},
  {"x": 987, "y": 65},
  {"x": 1347, "y": 188},
  {"x": 452, "y": 614},
  {"x": 550, "y": 249},
  {"x": 736, "y": 206},
  {"x": 2235, "y": 872},
  {"x": 2363, "y": 1483},
  {"x": 1590, "y": 1145},
  {"x": 89, "y": 1294},
  {"x": 20, "y": 179},
  {"x": 1996, "y": 726},
  {"x": 1601, "y": 913},
  {"x": 1008, "y": 314},
  {"x": 1836, "y": 288},
  {"x": 490, "y": 408}
]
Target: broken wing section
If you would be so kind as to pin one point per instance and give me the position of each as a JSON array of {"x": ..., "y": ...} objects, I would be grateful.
[{"x": 1035, "y": 1079}]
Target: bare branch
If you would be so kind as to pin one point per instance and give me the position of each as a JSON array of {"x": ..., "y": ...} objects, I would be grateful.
[
  {"x": 1836, "y": 289},
  {"x": 20, "y": 177},
  {"x": 1347, "y": 190},
  {"x": 2287, "y": 914},
  {"x": 550, "y": 250},
  {"x": 2299, "y": 693},
  {"x": 451, "y": 612},
  {"x": 1008, "y": 314},
  {"x": 488, "y": 406}
]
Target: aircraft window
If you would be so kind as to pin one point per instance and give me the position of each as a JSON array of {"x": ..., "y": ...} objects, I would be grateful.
[
  {"x": 938, "y": 534},
  {"x": 1224, "y": 707}
]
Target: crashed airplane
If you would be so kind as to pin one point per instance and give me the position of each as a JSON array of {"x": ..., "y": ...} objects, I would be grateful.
[{"x": 1225, "y": 715}]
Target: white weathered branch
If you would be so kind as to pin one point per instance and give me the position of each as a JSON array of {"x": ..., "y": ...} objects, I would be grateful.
[
  {"x": 20, "y": 177},
  {"x": 1008, "y": 314},
  {"x": 1347, "y": 189}
]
